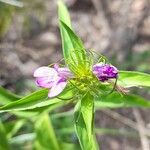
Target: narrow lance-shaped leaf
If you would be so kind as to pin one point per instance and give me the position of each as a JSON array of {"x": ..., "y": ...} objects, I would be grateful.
[
  {"x": 85, "y": 135},
  {"x": 78, "y": 51},
  {"x": 3, "y": 139},
  {"x": 26, "y": 101},
  {"x": 6, "y": 96},
  {"x": 38, "y": 101},
  {"x": 46, "y": 138},
  {"x": 133, "y": 79},
  {"x": 116, "y": 100},
  {"x": 65, "y": 17},
  {"x": 73, "y": 48},
  {"x": 87, "y": 110},
  {"x": 16, "y": 126}
]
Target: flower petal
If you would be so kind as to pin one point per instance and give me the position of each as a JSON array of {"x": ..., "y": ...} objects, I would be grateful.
[
  {"x": 44, "y": 82},
  {"x": 57, "y": 87},
  {"x": 65, "y": 73},
  {"x": 45, "y": 72},
  {"x": 105, "y": 71}
]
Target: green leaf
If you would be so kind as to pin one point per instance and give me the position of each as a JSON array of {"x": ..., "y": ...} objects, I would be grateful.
[
  {"x": 133, "y": 79},
  {"x": 16, "y": 126},
  {"x": 26, "y": 101},
  {"x": 65, "y": 17},
  {"x": 116, "y": 100},
  {"x": 63, "y": 13},
  {"x": 82, "y": 132},
  {"x": 73, "y": 48},
  {"x": 46, "y": 137},
  {"x": 46, "y": 106},
  {"x": 78, "y": 51},
  {"x": 76, "y": 41},
  {"x": 37, "y": 102},
  {"x": 3, "y": 139},
  {"x": 6, "y": 96},
  {"x": 87, "y": 110},
  {"x": 68, "y": 146}
]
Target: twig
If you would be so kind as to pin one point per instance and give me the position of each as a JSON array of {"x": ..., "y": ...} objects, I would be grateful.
[
  {"x": 141, "y": 129},
  {"x": 124, "y": 120}
]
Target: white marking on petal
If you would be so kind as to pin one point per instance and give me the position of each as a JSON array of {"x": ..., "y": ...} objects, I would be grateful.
[{"x": 45, "y": 72}]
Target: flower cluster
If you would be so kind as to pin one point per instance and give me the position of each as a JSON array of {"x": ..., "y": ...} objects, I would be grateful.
[{"x": 56, "y": 78}]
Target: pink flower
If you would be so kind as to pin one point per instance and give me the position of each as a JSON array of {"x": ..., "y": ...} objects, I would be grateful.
[{"x": 54, "y": 79}]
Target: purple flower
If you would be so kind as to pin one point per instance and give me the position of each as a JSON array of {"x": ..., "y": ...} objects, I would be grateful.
[
  {"x": 105, "y": 71},
  {"x": 53, "y": 78}
]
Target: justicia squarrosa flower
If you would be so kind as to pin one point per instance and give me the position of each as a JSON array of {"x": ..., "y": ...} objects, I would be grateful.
[
  {"x": 54, "y": 78},
  {"x": 105, "y": 72}
]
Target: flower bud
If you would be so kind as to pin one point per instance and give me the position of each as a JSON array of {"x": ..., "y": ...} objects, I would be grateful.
[{"x": 105, "y": 72}]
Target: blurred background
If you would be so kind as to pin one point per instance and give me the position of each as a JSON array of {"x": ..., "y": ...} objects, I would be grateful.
[{"x": 119, "y": 29}]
